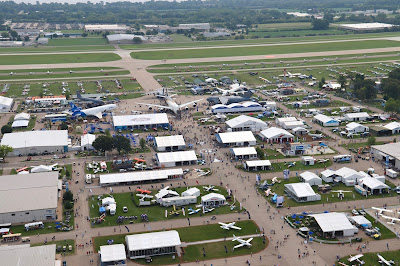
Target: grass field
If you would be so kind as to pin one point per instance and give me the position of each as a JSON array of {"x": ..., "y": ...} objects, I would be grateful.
[
  {"x": 57, "y": 58},
  {"x": 261, "y": 50},
  {"x": 46, "y": 76},
  {"x": 271, "y": 33},
  {"x": 372, "y": 258},
  {"x": 77, "y": 41},
  {"x": 55, "y": 70},
  {"x": 49, "y": 49},
  {"x": 290, "y": 25}
]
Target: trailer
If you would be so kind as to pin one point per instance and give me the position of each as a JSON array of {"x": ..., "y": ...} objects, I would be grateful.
[{"x": 391, "y": 173}]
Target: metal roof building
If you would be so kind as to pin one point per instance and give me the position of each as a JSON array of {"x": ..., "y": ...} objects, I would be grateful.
[
  {"x": 152, "y": 244},
  {"x": 18, "y": 255},
  {"x": 257, "y": 165},
  {"x": 106, "y": 27},
  {"x": 30, "y": 197},
  {"x": 362, "y": 116},
  {"x": 140, "y": 121},
  {"x": 169, "y": 143},
  {"x": 112, "y": 254},
  {"x": 37, "y": 141},
  {"x": 244, "y": 153},
  {"x": 171, "y": 159},
  {"x": 140, "y": 176},
  {"x": 241, "y": 138},
  {"x": 389, "y": 153}
]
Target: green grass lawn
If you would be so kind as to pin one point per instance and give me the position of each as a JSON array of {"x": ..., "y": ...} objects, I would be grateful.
[
  {"x": 325, "y": 197},
  {"x": 62, "y": 243},
  {"x": 77, "y": 41},
  {"x": 57, "y": 58},
  {"x": 154, "y": 212},
  {"x": 261, "y": 50},
  {"x": 50, "y": 49},
  {"x": 273, "y": 154},
  {"x": 372, "y": 258},
  {"x": 102, "y": 74},
  {"x": 67, "y": 167}
]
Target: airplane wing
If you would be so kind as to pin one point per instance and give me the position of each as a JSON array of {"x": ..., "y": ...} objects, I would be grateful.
[
  {"x": 223, "y": 224},
  {"x": 99, "y": 115},
  {"x": 156, "y": 105},
  {"x": 238, "y": 246},
  {"x": 186, "y": 104},
  {"x": 249, "y": 240},
  {"x": 235, "y": 227}
]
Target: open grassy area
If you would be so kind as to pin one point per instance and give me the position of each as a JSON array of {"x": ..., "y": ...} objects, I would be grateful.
[
  {"x": 77, "y": 41},
  {"x": 31, "y": 124},
  {"x": 372, "y": 258},
  {"x": 63, "y": 243},
  {"x": 357, "y": 145},
  {"x": 57, "y": 58},
  {"x": 55, "y": 70},
  {"x": 45, "y": 76},
  {"x": 154, "y": 212},
  {"x": 261, "y": 50},
  {"x": 50, "y": 49},
  {"x": 329, "y": 197}
]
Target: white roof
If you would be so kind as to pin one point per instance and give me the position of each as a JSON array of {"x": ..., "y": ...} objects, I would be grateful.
[
  {"x": 275, "y": 132},
  {"x": 105, "y": 27},
  {"x": 20, "y": 123},
  {"x": 6, "y": 101},
  {"x": 123, "y": 37},
  {"x": 308, "y": 176},
  {"x": 22, "y": 116},
  {"x": 244, "y": 151},
  {"x": 18, "y": 255},
  {"x": 299, "y": 129},
  {"x": 87, "y": 139},
  {"x": 354, "y": 125},
  {"x": 140, "y": 120},
  {"x": 324, "y": 118},
  {"x": 391, "y": 149},
  {"x": 139, "y": 176},
  {"x": 258, "y": 163},
  {"x": 112, "y": 253},
  {"x": 346, "y": 172},
  {"x": 373, "y": 183},
  {"x": 34, "y": 191},
  {"x": 334, "y": 221},
  {"x": 36, "y": 138},
  {"x": 285, "y": 119},
  {"x": 192, "y": 190},
  {"x": 42, "y": 168},
  {"x": 169, "y": 141},
  {"x": 328, "y": 172},
  {"x": 360, "y": 219},
  {"x": 152, "y": 240},
  {"x": 293, "y": 123},
  {"x": 237, "y": 121},
  {"x": 241, "y": 136},
  {"x": 392, "y": 125},
  {"x": 301, "y": 190},
  {"x": 355, "y": 115},
  {"x": 164, "y": 192},
  {"x": 177, "y": 156},
  {"x": 212, "y": 197},
  {"x": 366, "y": 26}
]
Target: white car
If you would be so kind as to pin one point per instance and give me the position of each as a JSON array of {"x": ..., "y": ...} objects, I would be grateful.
[
  {"x": 125, "y": 209},
  {"x": 354, "y": 212}
]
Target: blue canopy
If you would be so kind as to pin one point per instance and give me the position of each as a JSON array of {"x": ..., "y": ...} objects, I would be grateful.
[
  {"x": 102, "y": 209},
  {"x": 311, "y": 233},
  {"x": 294, "y": 216},
  {"x": 301, "y": 216},
  {"x": 297, "y": 222},
  {"x": 304, "y": 212},
  {"x": 326, "y": 212}
]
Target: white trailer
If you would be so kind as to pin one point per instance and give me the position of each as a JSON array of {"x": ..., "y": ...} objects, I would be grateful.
[{"x": 391, "y": 173}]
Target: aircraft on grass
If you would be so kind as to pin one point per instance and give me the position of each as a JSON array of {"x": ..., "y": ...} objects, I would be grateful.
[
  {"x": 323, "y": 160},
  {"x": 383, "y": 261},
  {"x": 380, "y": 210},
  {"x": 340, "y": 192},
  {"x": 357, "y": 258},
  {"x": 191, "y": 211},
  {"x": 229, "y": 226},
  {"x": 392, "y": 219},
  {"x": 316, "y": 136},
  {"x": 290, "y": 164},
  {"x": 242, "y": 242},
  {"x": 234, "y": 89},
  {"x": 95, "y": 111},
  {"x": 85, "y": 99},
  {"x": 209, "y": 188},
  {"x": 205, "y": 210}
]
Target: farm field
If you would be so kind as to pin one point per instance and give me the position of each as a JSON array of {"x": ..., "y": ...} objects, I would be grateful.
[{"x": 57, "y": 58}]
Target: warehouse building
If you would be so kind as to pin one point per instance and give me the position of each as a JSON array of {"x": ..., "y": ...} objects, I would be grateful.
[
  {"x": 124, "y": 38},
  {"x": 387, "y": 153},
  {"x": 18, "y": 255},
  {"x": 178, "y": 158},
  {"x": 107, "y": 27},
  {"x": 140, "y": 177},
  {"x": 152, "y": 244},
  {"x": 170, "y": 143},
  {"x": 334, "y": 224},
  {"x": 30, "y": 197},
  {"x": 244, "y": 153},
  {"x": 196, "y": 26},
  {"x": 325, "y": 121},
  {"x": 352, "y": 117},
  {"x": 36, "y": 142},
  {"x": 112, "y": 255},
  {"x": 365, "y": 27},
  {"x": 275, "y": 134},
  {"x": 301, "y": 192},
  {"x": 246, "y": 123},
  {"x": 257, "y": 165},
  {"x": 140, "y": 121},
  {"x": 242, "y": 138},
  {"x": 6, "y": 104}
]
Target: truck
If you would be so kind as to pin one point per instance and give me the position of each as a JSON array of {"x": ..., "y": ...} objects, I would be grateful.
[
  {"x": 88, "y": 179},
  {"x": 391, "y": 173}
]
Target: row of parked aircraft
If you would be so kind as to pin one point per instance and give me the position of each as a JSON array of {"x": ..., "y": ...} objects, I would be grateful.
[{"x": 358, "y": 259}]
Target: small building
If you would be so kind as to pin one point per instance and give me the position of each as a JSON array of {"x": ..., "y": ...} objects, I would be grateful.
[
  {"x": 193, "y": 191},
  {"x": 280, "y": 120},
  {"x": 241, "y": 138},
  {"x": 310, "y": 178},
  {"x": 170, "y": 143},
  {"x": 213, "y": 200},
  {"x": 394, "y": 127},
  {"x": 294, "y": 148},
  {"x": 178, "y": 201},
  {"x": 348, "y": 176},
  {"x": 164, "y": 194},
  {"x": 177, "y": 158},
  {"x": 362, "y": 116},
  {"x": 257, "y": 165},
  {"x": 307, "y": 160},
  {"x": 300, "y": 131},
  {"x": 22, "y": 116},
  {"x": 18, "y": 255},
  {"x": 374, "y": 186},
  {"x": 123, "y": 38},
  {"x": 6, "y": 104},
  {"x": 140, "y": 121},
  {"x": 152, "y": 244},
  {"x": 20, "y": 124},
  {"x": 275, "y": 134},
  {"x": 379, "y": 131},
  {"x": 301, "y": 192},
  {"x": 196, "y": 26},
  {"x": 325, "y": 121},
  {"x": 244, "y": 153},
  {"x": 354, "y": 127},
  {"x": 112, "y": 255},
  {"x": 334, "y": 224},
  {"x": 360, "y": 221},
  {"x": 329, "y": 176},
  {"x": 292, "y": 124},
  {"x": 246, "y": 123},
  {"x": 87, "y": 141}
]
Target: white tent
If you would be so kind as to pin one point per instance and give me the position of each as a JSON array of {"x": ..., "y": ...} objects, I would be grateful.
[
  {"x": 42, "y": 168},
  {"x": 301, "y": 192},
  {"x": 193, "y": 191},
  {"x": 113, "y": 254},
  {"x": 328, "y": 175},
  {"x": 394, "y": 127},
  {"x": 213, "y": 199},
  {"x": 274, "y": 134},
  {"x": 326, "y": 121},
  {"x": 335, "y": 224},
  {"x": 373, "y": 185},
  {"x": 22, "y": 116},
  {"x": 310, "y": 178},
  {"x": 360, "y": 220},
  {"x": 348, "y": 176},
  {"x": 241, "y": 138},
  {"x": 244, "y": 152},
  {"x": 362, "y": 116},
  {"x": 244, "y": 123},
  {"x": 354, "y": 127}
]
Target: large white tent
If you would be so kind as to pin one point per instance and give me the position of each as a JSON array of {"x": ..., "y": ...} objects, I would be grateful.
[
  {"x": 241, "y": 138},
  {"x": 275, "y": 134},
  {"x": 310, "y": 178},
  {"x": 244, "y": 153},
  {"x": 169, "y": 143},
  {"x": 301, "y": 192},
  {"x": 177, "y": 158},
  {"x": 113, "y": 254},
  {"x": 335, "y": 224},
  {"x": 245, "y": 123}
]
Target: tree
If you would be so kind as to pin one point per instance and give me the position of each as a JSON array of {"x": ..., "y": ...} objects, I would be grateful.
[
  {"x": 103, "y": 143},
  {"x": 6, "y": 129},
  {"x": 84, "y": 34},
  {"x": 68, "y": 205},
  {"x": 260, "y": 153},
  {"x": 342, "y": 81},
  {"x": 26, "y": 38},
  {"x": 321, "y": 83},
  {"x": 392, "y": 106},
  {"x": 122, "y": 143},
  {"x": 142, "y": 143},
  {"x": 5, "y": 150},
  {"x": 5, "y": 35},
  {"x": 67, "y": 173},
  {"x": 137, "y": 40},
  {"x": 320, "y": 24},
  {"x": 371, "y": 140},
  {"x": 64, "y": 126},
  {"x": 68, "y": 196}
]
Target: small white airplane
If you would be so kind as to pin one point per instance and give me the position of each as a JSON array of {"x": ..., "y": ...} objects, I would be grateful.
[
  {"x": 205, "y": 209},
  {"x": 340, "y": 192},
  {"x": 233, "y": 206},
  {"x": 191, "y": 211},
  {"x": 383, "y": 261},
  {"x": 275, "y": 180},
  {"x": 380, "y": 210},
  {"x": 242, "y": 242},
  {"x": 393, "y": 220},
  {"x": 316, "y": 136},
  {"x": 323, "y": 160},
  {"x": 357, "y": 258},
  {"x": 229, "y": 226},
  {"x": 210, "y": 188},
  {"x": 233, "y": 89},
  {"x": 95, "y": 111}
]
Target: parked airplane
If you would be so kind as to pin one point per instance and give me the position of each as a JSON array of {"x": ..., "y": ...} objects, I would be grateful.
[
  {"x": 357, "y": 258},
  {"x": 191, "y": 211},
  {"x": 229, "y": 226},
  {"x": 85, "y": 99},
  {"x": 230, "y": 99},
  {"x": 205, "y": 209},
  {"x": 316, "y": 136},
  {"x": 383, "y": 261},
  {"x": 340, "y": 193},
  {"x": 95, "y": 111},
  {"x": 209, "y": 188},
  {"x": 233, "y": 89},
  {"x": 392, "y": 219},
  {"x": 380, "y": 210},
  {"x": 242, "y": 242}
]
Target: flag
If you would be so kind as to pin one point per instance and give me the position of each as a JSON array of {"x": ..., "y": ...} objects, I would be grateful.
[
  {"x": 85, "y": 132},
  {"x": 197, "y": 182}
]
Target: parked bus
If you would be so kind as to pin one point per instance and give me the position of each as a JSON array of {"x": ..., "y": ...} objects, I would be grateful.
[
  {"x": 342, "y": 158},
  {"x": 11, "y": 237}
]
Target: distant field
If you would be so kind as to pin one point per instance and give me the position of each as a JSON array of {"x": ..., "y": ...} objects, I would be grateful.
[
  {"x": 44, "y": 76},
  {"x": 263, "y": 50},
  {"x": 49, "y": 49},
  {"x": 44, "y": 71},
  {"x": 57, "y": 58},
  {"x": 295, "y": 33},
  {"x": 77, "y": 41},
  {"x": 180, "y": 38},
  {"x": 293, "y": 25}
]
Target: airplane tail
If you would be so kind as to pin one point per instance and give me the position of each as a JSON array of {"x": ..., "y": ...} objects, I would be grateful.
[
  {"x": 73, "y": 107},
  {"x": 78, "y": 94},
  {"x": 247, "y": 94},
  {"x": 234, "y": 238}
]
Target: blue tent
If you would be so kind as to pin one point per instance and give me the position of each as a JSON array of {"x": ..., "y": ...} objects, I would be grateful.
[
  {"x": 294, "y": 216},
  {"x": 102, "y": 210}
]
